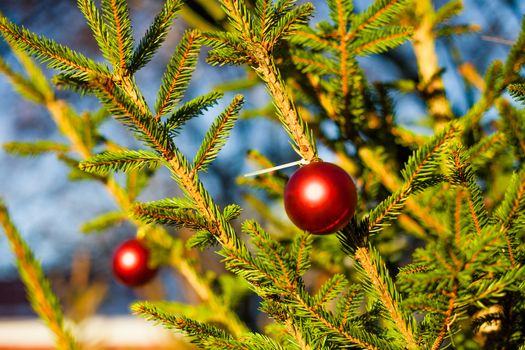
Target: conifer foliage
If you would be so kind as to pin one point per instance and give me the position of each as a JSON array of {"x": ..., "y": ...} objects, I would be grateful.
[{"x": 468, "y": 271}]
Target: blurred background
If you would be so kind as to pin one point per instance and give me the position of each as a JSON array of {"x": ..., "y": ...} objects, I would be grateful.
[{"x": 49, "y": 209}]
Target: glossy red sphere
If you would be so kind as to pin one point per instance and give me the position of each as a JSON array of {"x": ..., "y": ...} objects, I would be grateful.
[
  {"x": 130, "y": 263},
  {"x": 320, "y": 198}
]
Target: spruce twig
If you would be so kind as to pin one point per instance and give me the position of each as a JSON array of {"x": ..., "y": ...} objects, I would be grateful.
[
  {"x": 38, "y": 288},
  {"x": 68, "y": 123},
  {"x": 387, "y": 294}
]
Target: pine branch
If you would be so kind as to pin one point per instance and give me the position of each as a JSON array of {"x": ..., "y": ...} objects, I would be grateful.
[
  {"x": 120, "y": 35},
  {"x": 21, "y": 84},
  {"x": 463, "y": 174},
  {"x": 381, "y": 40},
  {"x": 393, "y": 183},
  {"x": 194, "y": 329},
  {"x": 261, "y": 273},
  {"x": 515, "y": 59},
  {"x": 155, "y": 35},
  {"x": 295, "y": 126},
  {"x": 317, "y": 64},
  {"x": 378, "y": 14},
  {"x": 124, "y": 161},
  {"x": 417, "y": 173},
  {"x": 259, "y": 55},
  {"x": 178, "y": 73},
  {"x": 300, "y": 252},
  {"x": 447, "y": 320},
  {"x": 47, "y": 51},
  {"x": 38, "y": 287},
  {"x": 450, "y": 9},
  {"x": 103, "y": 222},
  {"x": 286, "y": 25},
  {"x": 511, "y": 210},
  {"x": 341, "y": 11},
  {"x": 35, "y": 148},
  {"x": 306, "y": 36},
  {"x": 217, "y": 135},
  {"x": 190, "y": 110},
  {"x": 518, "y": 92},
  {"x": 177, "y": 212},
  {"x": 97, "y": 25},
  {"x": 384, "y": 289},
  {"x": 330, "y": 290},
  {"x": 513, "y": 127},
  {"x": 121, "y": 105}
]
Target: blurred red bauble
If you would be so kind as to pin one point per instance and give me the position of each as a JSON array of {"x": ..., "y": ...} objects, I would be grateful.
[
  {"x": 320, "y": 198},
  {"x": 130, "y": 263}
]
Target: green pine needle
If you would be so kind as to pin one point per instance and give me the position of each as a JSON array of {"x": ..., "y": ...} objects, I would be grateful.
[
  {"x": 217, "y": 135},
  {"x": 120, "y": 161},
  {"x": 155, "y": 35},
  {"x": 120, "y": 35},
  {"x": 380, "y": 13},
  {"x": 381, "y": 40},
  {"x": 341, "y": 10},
  {"x": 104, "y": 222},
  {"x": 178, "y": 73},
  {"x": 447, "y": 11},
  {"x": 419, "y": 173},
  {"x": 98, "y": 27},
  {"x": 48, "y": 51},
  {"x": 330, "y": 290},
  {"x": 210, "y": 337},
  {"x": 35, "y": 148},
  {"x": 175, "y": 211},
  {"x": 518, "y": 92}
]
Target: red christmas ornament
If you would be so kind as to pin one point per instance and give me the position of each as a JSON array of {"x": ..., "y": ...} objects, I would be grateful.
[
  {"x": 320, "y": 198},
  {"x": 130, "y": 263}
]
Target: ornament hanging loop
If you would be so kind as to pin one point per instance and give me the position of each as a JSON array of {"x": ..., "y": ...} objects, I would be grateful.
[{"x": 278, "y": 167}]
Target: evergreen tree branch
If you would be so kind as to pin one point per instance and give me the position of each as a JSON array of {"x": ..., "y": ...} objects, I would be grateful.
[
  {"x": 155, "y": 35},
  {"x": 513, "y": 127},
  {"x": 104, "y": 221},
  {"x": 464, "y": 175},
  {"x": 124, "y": 161},
  {"x": 67, "y": 122},
  {"x": 447, "y": 320},
  {"x": 24, "y": 86},
  {"x": 511, "y": 208},
  {"x": 293, "y": 123},
  {"x": 97, "y": 25},
  {"x": 55, "y": 55},
  {"x": 376, "y": 16},
  {"x": 120, "y": 34},
  {"x": 191, "y": 109},
  {"x": 38, "y": 287},
  {"x": 518, "y": 92},
  {"x": 201, "y": 332},
  {"x": 35, "y": 148},
  {"x": 420, "y": 165},
  {"x": 178, "y": 73},
  {"x": 386, "y": 291},
  {"x": 258, "y": 54},
  {"x": 268, "y": 284},
  {"x": 217, "y": 135},
  {"x": 393, "y": 183},
  {"x": 343, "y": 46}
]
